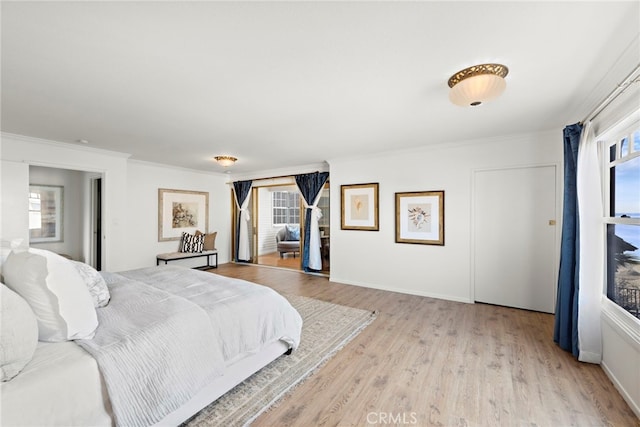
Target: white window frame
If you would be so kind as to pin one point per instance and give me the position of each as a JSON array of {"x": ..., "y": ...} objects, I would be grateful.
[
  {"x": 289, "y": 210},
  {"x": 35, "y": 210},
  {"x": 611, "y": 138}
]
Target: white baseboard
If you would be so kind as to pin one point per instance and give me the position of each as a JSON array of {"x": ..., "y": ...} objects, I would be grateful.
[
  {"x": 401, "y": 290},
  {"x": 625, "y": 395}
]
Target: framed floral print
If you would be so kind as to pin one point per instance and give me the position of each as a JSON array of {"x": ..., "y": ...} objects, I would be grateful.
[
  {"x": 181, "y": 211},
  {"x": 420, "y": 217},
  {"x": 359, "y": 207}
]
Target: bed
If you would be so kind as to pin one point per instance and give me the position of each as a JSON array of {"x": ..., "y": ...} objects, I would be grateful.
[{"x": 167, "y": 342}]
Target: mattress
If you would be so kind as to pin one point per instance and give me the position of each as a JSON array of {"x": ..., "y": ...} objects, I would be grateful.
[{"x": 61, "y": 384}]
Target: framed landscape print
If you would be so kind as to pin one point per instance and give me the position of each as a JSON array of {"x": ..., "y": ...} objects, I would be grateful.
[
  {"x": 359, "y": 207},
  {"x": 46, "y": 213},
  {"x": 181, "y": 211},
  {"x": 420, "y": 217}
]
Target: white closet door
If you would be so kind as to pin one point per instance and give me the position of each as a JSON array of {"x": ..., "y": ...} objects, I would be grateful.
[{"x": 515, "y": 255}]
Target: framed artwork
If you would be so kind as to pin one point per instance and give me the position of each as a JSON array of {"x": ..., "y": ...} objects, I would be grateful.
[
  {"x": 420, "y": 217},
  {"x": 181, "y": 211},
  {"x": 359, "y": 207},
  {"x": 46, "y": 209}
]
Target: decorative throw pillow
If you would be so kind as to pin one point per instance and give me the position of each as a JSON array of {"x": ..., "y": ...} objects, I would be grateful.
[
  {"x": 198, "y": 243},
  {"x": 18, "y": 333},
  {"x": 56, "y": 293},
  {"x": 95, "y": 283},
  {"x": 192, "y": 242},
  {"x": 185, "y": 242},
  {"x": 292, "y": 232},
  {"x": 210, "y": 241}
]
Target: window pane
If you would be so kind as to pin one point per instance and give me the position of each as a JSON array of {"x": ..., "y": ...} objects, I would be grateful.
[
  {"x": 636, "y": 141},
  {"x": 623, "y": 266},
  {"x": 294, "y": 215},
  {"x": 625, "y": 182},
  {"x": 35, "y": 220},
  {"x": 624, "y": 147},
  {"x": 612, "y": 153},
  {"x": 286, "y": 205}
]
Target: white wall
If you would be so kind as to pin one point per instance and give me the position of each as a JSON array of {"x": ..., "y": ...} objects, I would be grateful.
[
  {"x": 130, "y": 192},
  {"x": 143, "y": 182},
  {"x": 73, "y": 208},
  {"x": 14, "y": 203},
  {"x": 33, "y": 151},
  {"x": 621, "y": 352},
  {"x": 373, "y": 259}
]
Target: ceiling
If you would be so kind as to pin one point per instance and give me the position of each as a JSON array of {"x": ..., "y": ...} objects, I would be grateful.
[{"x": 283, "y": 84}]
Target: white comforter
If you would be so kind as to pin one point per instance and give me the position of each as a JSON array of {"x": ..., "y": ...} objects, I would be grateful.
[
  {"x": 61, "y": 386},
  {"x": 169, "y": 330}
]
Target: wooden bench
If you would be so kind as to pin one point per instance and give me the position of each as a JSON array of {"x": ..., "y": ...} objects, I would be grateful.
[{"x": 172, "y": 256}]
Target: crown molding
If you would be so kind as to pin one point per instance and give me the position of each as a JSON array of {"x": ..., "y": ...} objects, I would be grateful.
[
  {"x": 59, "y": 144},
  {"x": 280, "y": 172},
  {"x": 511, "y": 138}
]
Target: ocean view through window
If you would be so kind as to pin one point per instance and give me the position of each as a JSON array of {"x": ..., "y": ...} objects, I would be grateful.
[{"x": 623, "y": 222}]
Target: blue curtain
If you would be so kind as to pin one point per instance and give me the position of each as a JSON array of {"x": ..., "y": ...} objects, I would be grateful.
[
  {"x": 242, "y": 189},
  {"x": 566, "y": 320},
  {"x": 310, "y": 185}
]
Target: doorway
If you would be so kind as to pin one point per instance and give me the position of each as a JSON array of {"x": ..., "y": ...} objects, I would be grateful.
[
  {"x": 81, "y": 231},
  {"x": 515, "y": 237},
  {"x": 96, "y": 223},
  {"x": 277, "y": 208}
]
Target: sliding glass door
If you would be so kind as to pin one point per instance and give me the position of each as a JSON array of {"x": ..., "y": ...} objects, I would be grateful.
[{"x": 276, "y": 225}]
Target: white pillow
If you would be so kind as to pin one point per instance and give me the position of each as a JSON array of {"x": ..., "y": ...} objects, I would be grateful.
[
  {"x": 56, "y": 293},
  {"x": 95, "y": 283},
  {"x": 18, "y": 333}
]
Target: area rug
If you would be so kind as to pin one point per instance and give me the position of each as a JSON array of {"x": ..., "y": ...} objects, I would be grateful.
[{"x": 326, "y": 329}]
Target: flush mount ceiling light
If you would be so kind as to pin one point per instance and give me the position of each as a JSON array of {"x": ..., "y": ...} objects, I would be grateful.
[
  {"x": 475, "y": 85},
  {"x": 225, "y": 161}
]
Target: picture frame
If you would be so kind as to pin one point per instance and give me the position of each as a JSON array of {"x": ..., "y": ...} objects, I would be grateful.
[
  {"x": 359, "y": 207},
  {"x": 420, "y": 217},
  {"x": 46, "y": 213},
  {"x": 181, "y": 211}
]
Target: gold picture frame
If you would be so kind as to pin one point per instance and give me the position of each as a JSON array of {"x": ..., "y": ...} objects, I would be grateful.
[
  {"x": 359, "y": 207},
  {"x": 420, "y": 217},
  {"x": 181, "y": 211}
]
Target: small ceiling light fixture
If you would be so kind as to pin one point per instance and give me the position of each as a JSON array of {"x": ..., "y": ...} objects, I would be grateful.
[
  {"x": 225, "y": 161},
  {"x": 475, "y": 85}
]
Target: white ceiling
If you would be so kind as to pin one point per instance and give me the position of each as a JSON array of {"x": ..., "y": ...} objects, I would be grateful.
[{"x": 281, "y": 84}]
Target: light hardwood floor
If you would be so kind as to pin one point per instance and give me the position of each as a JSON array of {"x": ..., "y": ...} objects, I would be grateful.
[
  {"x": 275, "y": 260},
  {"x": 429, "y": 362},
  {"x": 287, "y": 261}
]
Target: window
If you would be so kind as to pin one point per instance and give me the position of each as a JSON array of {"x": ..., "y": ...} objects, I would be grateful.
[
  {"x": 323, "y": 204},
  {"x": 623, "y": 221},
  {"x": 286, "y": 207},
  {"x": 45, "y": 213},
  {"x": 35, "y": 211}
]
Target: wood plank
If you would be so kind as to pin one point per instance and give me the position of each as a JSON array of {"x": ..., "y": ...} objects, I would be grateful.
[
  {"x": 275, "y": 260},
  {"x": 434, "y": 362}
]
